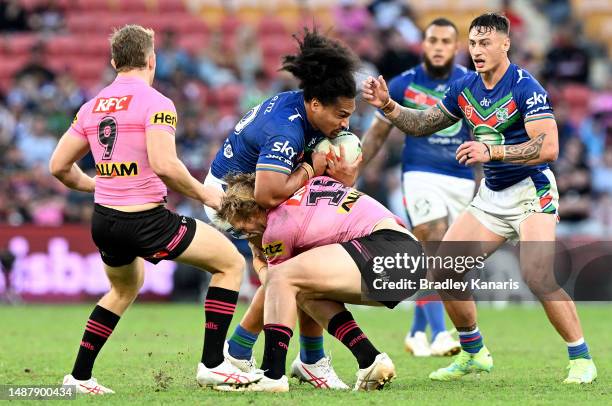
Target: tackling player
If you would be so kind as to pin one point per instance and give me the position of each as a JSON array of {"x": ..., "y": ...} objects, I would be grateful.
[
  {"x": 510, "y": 116},
  {"x": 129, "y": 128},
  {"x": 270, "y": 141},
  {"x": 436, "y": 187},
  {"x": 321, "y": 244}
]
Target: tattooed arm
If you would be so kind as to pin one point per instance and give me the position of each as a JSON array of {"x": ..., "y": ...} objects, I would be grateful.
[
  {"x": 410, "y": 121},
  {"x": 542, "y": 147}
]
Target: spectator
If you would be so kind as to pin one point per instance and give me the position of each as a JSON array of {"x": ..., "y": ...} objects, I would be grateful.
[
  {"x": 351, "y": 18},
  {"x": 567, "y": 61},
  {"x": 36, "y": 68},
  {"x": 170, "y": 57},
  {"x": 47, "y": 16},
  {"x": 36, "y": 144},
  {"x": 396, "y": 57},
  {"x": 13, "y": 16}
]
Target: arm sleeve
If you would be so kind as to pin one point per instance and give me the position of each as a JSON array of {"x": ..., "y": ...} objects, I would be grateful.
[
  {"x": 449, "y": 104},
  {"x": 76, "y": 128},
  {"x": 161, "y": 115},
  {"x": 281, "y": 150},
  {"x": 532, "y": 100}
]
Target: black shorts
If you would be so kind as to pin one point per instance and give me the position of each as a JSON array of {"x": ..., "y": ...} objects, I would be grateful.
[
  {"x": 153, "y": 234},
  {"x": 396, "y": 279}
]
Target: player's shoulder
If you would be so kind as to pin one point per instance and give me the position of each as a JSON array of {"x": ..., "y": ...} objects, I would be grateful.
[
  {"x": 523, "y": 79},
  {"x": 154, "y": 96},
  {"x": 406, "y": 77},
  {"x": 460, "y": 70}
]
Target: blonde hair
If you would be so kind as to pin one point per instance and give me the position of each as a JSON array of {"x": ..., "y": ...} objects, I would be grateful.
[
  {"x": 131, "y": 45},
  {"x": 239, "y": 200}
]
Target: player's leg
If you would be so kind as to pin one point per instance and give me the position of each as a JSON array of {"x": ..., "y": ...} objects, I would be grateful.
[
  {"x": 126, "y": 281},
  {"x": 308, "y": 273},
  {"x": 537, "y": 234},
  {"x": 467, "y": 236},
  {"x": 212, "y": 251}
]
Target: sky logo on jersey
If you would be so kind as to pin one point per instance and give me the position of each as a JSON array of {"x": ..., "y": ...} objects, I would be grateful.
[
  {"x": 165, "y": 118},
  {"x": 114, "y": 169},
  {"x": 112, "y": 104},
  {"x": 537, "y": 98},
  {"x": 284, "y": 148},
  {"x": 273, "y": 249}
]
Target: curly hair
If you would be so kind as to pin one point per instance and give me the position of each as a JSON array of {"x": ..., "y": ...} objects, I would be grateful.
[
  {"x": 325, "y": 68},
  {"x": 239, "y": 200}
]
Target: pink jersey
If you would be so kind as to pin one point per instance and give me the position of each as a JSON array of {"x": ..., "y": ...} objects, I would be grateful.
[
  {"x": 114, "y": 124},
  {"x": 322, "y": 212}
]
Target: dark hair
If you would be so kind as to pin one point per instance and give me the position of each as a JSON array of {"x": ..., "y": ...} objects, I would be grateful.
[
  {"x": 442, "y": 22},
  {"x": 491, "y": 21},
  {"x": 324, "y": 67}
]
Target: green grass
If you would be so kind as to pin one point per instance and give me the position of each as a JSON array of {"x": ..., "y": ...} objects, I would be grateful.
[{"x": 152, "y": 356}]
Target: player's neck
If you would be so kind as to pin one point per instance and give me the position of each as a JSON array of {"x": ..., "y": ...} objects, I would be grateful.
[
  {"x": 136, "y": 74},
  {"x": 492, "y": 77}
]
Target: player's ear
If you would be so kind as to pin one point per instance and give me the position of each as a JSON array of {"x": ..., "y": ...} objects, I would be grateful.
[
  {"x": 152, "y": 61},
  {"x": 315, "y": 104},
  {"x": 113, "y": 63}
]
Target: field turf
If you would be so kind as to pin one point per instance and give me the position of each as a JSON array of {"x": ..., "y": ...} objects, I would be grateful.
[{"x": 152, "y": 355}]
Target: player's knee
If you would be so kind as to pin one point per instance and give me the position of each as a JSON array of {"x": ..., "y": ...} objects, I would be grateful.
[
  {"x": 539, "y": 278},
  {"x": 277, "y": 278},
  {"x": 126, "y": 292}
]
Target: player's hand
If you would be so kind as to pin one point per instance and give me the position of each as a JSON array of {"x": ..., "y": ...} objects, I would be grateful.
[
  {"x": 472, "y": 152},
  {"x": 211, "y": 196},
  {"x": 339, "y": 169},
  {"x": 259, "y": 259},
  {"x": 319, "y": 162},
  {"x": 375, "y": 91}
]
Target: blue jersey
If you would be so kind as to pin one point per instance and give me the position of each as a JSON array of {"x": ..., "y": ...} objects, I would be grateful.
[
  {"x": 272, "y": 136},
  {"x": 498, "y": 116},
  {"x": 417, "y": 90}
]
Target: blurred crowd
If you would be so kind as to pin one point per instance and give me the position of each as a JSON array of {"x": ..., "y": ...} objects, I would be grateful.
[{"x": 213, "y": 85}]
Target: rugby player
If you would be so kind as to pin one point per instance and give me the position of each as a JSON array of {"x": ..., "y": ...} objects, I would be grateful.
[
  {"x": 321, "y": 245},
  {"x": 129, "y": 128},
  {"x": 435, "y": 186},
  {"x": 271, "y": 140},
  {"x": 511, "y": 118}
]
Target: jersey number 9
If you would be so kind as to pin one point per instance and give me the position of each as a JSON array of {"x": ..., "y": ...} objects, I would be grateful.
[{"x": 107, "y": 135}]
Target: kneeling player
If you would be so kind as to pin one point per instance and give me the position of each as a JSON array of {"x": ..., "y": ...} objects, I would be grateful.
[{"x": 321, "y": 245}]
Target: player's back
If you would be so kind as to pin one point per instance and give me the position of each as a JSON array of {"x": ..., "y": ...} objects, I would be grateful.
[
  {"x": 115, "y": 123},
  {"x": 322, "y": 212}
]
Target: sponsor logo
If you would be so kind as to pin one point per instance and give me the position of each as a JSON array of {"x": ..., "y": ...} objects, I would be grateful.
[
  {"x": 521, "y": 77},
  {"x": 284, "y": 149},
  {"x": 537, "y": 98},
  {"x": 270, "y": 105},
  {"x": 485, "y": 102},
  {"x": 164, "y": 117},
  {"x": 113, "y": 169},
  {"x": 227, "y": 150},
  {"x": 76, "y": 118},
  {"x": 211, "y": 326},
  {"x": 530, "y": 112},
  {"x": 297, "y": 115},
  {"x": 282, "y": 345},
  {"x": 280, "y": 158},
  {"x": 501, "y": 114},
  {"x": 274, "y": 249},
  {"x": 88, "y": 345},
  {"x": 160, "y": 254},
  {"x": 357, "y": 339},
  {"x": 112, "y": 104},
  {"x": 247, "y": 119},
  {"x": 349, "y": 201}
]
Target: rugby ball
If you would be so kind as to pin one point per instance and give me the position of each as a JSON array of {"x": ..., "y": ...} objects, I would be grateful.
[{"x": 349, "y": 141}]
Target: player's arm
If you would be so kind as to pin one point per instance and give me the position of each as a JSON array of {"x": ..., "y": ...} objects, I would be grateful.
[
  {"x": 410, "y": 121},
  {"x": 161, "y": 150},
  {"x": 63, "y": 165},
  {"x": 374, "y": 138},
  {"x": 542, "y": 147},
  {"x": 272, "y": 188}
]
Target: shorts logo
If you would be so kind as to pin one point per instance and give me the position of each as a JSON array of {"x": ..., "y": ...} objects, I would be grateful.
[
  {"x": 227, "y": 151},
  {"x": 164, "y": 117},
  {"x": 422, "y": 206},
  {"x": 113, "y": 169},
  {"x": 274, "y": 249},
  {"x": 349, "y": 201},
  {"x": 112, "y": 104}
]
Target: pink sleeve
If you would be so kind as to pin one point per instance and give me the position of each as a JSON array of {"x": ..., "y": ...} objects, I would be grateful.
[
  {"x": 161, "y": 114},
  {"x": 76, "y": 128}
]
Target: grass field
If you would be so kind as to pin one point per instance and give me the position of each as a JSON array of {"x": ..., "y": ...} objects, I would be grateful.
[{"x": 152, "y": 356}]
